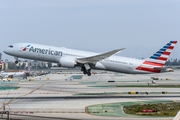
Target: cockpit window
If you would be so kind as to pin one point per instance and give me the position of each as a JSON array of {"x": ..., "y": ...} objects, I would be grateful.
[{"x": 11, "y": 46}]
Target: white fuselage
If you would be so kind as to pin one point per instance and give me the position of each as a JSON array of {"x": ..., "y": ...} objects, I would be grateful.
[{"x": 53, "y": 54}]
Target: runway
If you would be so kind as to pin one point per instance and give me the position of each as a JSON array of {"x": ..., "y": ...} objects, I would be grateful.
[
  {"x": 57, "y": 97},
  {"x": 93, "y": 97}
]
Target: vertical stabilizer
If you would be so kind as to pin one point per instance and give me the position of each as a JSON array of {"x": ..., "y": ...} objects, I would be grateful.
[
  {"x": 158, "y": 59},
  {"x": 27, "y": 71}
]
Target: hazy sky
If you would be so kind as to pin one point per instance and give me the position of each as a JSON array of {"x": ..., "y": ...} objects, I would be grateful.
[{"x": 141, "y": 26}]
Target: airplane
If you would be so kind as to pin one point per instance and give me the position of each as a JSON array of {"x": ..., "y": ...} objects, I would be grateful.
[
  {"x": 71, "y": 58},
  {"x": 16, "y": 74}
]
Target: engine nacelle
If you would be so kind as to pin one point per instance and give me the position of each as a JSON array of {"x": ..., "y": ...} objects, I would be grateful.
[{"x": 67, "y": 62}]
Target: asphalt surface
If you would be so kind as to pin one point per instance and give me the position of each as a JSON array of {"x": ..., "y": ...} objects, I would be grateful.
[{"x": 55, "y": 96}]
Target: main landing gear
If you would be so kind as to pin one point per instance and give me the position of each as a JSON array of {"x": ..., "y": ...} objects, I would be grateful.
[{"x": 86, "y": 69}]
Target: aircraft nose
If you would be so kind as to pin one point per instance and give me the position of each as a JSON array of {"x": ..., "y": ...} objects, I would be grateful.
[
  {"x": 5, "y": 51},
  {"x": 8, "y": 50}
]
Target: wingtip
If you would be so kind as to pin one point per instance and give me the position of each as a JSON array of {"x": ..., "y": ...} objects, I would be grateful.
[
  {"x": 122, "y": 49},
  {"x": 119, "y": 50}
]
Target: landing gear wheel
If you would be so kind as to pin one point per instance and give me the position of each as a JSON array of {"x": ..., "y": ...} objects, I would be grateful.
[
  {"x": 89, "y": 72},
  {"x": 84, "y": 70},
  {"x": 16, "y": 58},
  {"x": 16, "y": 62}
]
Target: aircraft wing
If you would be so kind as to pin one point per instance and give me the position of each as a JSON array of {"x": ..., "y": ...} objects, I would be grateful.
[{"x": 96, "y": 58}]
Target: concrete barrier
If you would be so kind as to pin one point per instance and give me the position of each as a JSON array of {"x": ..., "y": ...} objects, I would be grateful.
[{"x": 177, "y": 117}]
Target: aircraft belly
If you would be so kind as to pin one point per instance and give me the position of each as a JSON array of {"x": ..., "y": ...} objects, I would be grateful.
[{"x": 116, "y": 67}]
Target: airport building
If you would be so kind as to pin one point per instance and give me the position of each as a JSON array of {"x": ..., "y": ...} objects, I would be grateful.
[
  {"x": 10, "y": 65},
  {"x": 0, "y": 56}
]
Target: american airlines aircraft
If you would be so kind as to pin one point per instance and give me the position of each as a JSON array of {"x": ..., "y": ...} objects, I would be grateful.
[{"x": 90, "y": 60}]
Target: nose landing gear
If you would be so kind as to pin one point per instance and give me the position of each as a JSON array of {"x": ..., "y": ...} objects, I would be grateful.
[{"x": 16, "y": 60}]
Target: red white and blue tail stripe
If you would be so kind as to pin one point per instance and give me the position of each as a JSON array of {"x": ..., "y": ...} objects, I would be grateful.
[{"x": 158, "y": 59}]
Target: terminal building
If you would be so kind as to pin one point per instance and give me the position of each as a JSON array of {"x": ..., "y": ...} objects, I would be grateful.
[{"x": 35, "y": 65}]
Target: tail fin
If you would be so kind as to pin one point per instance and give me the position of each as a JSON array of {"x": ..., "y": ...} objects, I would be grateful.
[
  {"x": 158, "y": 59},
  {"x": 28, "y": 69}
]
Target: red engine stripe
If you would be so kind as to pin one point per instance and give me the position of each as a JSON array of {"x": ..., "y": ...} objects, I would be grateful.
[
  {"x": 153, "y": 63},
  {"x": 148, "y": 69}
]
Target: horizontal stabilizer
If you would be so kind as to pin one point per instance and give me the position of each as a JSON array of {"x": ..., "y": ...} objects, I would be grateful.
[{"x": 162, "y": 68}]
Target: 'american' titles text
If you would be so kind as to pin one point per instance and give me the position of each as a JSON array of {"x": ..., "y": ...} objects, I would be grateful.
[{"x": 45, "y": 51}]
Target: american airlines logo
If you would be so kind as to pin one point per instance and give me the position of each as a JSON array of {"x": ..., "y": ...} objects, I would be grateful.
[
  {"x": 25, "y": 48},
  {"x": 45, "y": 51}
]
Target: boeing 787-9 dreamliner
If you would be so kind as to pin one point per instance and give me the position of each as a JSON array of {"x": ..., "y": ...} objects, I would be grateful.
[{"x": 89, "y": 60}]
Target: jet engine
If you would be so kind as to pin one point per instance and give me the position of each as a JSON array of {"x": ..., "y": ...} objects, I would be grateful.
[{"x": 67, "y": 62}]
